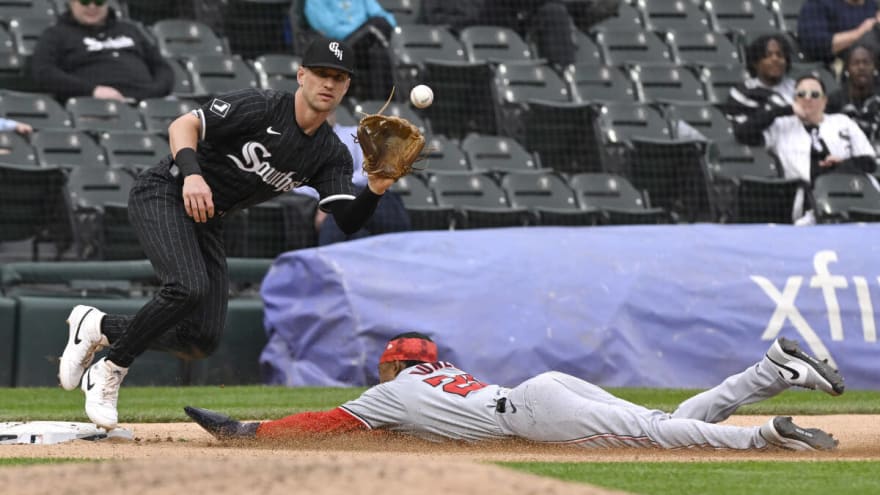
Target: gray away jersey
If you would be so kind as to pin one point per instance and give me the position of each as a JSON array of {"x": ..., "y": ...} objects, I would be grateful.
[
  {"x": 430, "y": 401},
  {"x": 252, "y": 149}
]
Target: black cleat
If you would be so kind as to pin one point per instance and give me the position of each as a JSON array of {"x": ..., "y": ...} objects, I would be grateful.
[
  {"x": 221, "y": 426},
  {"x": 782, "y": 432}
]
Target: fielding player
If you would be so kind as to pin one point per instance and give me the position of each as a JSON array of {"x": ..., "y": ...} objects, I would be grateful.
[
  {"x": 432, "y": 399},
  {"x": 239, "y": 149}
]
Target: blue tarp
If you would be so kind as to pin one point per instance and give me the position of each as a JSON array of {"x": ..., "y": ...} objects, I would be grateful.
[{"x": 653, "y": 306}]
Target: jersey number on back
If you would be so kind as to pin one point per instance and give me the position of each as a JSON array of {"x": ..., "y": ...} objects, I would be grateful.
[{"x": 457, "y": 384}]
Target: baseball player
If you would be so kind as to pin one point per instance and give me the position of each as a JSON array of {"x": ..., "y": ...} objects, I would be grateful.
[
  {"x": 239, "y": 149},
  {"x": 432, "y": 399}
]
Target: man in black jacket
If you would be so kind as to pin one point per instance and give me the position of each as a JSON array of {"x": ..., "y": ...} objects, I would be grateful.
[{"x": 91, "y": 52}]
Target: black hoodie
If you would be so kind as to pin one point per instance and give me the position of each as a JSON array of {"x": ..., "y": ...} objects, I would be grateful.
[{"x": 70, "y": 59}]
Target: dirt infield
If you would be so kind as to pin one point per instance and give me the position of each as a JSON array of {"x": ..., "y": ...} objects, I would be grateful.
[{"x": 180, "y": 458}]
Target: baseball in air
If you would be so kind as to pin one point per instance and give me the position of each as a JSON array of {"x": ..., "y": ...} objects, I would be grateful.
[{"x": 421, "y": 96}]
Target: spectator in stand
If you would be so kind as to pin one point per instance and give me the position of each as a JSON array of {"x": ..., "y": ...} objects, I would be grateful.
[
  {"x": 91, "y": 52},
  {"x": 828, "y": 27},
  {"x": 858, "y": 97},
  {"x": 548, "y": 20},
  {"x": 809, "y": 142},
  {"x": 7, "y": 125},
  {"x": 390, "y": 214},
  {"x": 769, "y": 87},
  {"x": 366, "y": 27}
]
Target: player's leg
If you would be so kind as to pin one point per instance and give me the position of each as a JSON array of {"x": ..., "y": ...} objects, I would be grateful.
[
  {"x": 785, "y": 365},
  {"x": 546, "y": 409},
  {"x": 170, "y": 240}
]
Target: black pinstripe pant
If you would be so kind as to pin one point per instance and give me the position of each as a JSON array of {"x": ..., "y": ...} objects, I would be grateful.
[{"x": 187, "y": 315}]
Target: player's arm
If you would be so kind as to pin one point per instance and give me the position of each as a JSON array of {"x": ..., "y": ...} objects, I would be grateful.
[
  {"x": 308, "y": 423},
  {"x": 183, "y": 137}
]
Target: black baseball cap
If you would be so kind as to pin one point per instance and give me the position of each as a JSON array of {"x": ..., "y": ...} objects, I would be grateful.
[{"x": 330, "y": 54}]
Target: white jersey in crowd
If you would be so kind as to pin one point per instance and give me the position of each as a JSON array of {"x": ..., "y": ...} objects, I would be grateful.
[
  {"x": 791, "y": 142},
  {"x": 430, "y": 401}
]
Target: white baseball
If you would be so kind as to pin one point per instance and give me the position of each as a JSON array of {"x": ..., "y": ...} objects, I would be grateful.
[{"x": 421, "y": 96}]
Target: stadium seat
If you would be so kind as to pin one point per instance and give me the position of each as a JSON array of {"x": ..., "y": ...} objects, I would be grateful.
[
  {"x": 720, "y": 79},
  {"x": 15, "y": 150},
  {"x": 519, "y": 82},
  {"x": 703, "y": 117},
  {"x": 549, "y": 198},
  {"x": 404, "y": 11},
  {"x": 67, "y": 148},
  {"x": 34, "y": 208},
  {"x": 516, "y": 84},
  {"x": 633, "y": 47},
  {"x": 564, "y": 135},
  {"x": 744, "y": 18},
  {"x": 101, "y": 237},
  {"x": 621, "y": 203},
  {"x": 133, "y": 151},
  {"x": 265, "y": 230},
  {"x": 158, "y": 113},
  {"x": 628, "y": 18},
  {"x": 586, "y": 50},
  {"x": 443, "y": 154},
  {"x": 787, "y": 13},
  {"x": 179, "y": 38},
  {"x": 26, "y": 32},
  {"x": 39, "y": 110},
  {"x": 411, "y": 45},
  {"x": 765, "y": 199},
  {"x": 480, "y": 202},
  {"x": 277, "y": 71},
  {"x": 701, "y": 48},
  {"x": 345, "y": 117},
  {"x": 19, "y": 9},
  {"x": 734, "y": 160},
  {"x": 404, "y": 110},
  {"x": 12, "y": 71},
  {"x": 494, "y": 44},
  {"x": 94, "y": 114},
  {"x": 214, "y": 74},
  {"x": 599, "y": 84},
  {"x": 667, "y": 84},
  {"x": 497, "y": 153},
  {"x": 468, "y": 95},
  {"x": 6, "y": 43},
  {"x": 183, "y": 86},
  {"x": 673, "y": 175},
  {"x": 621, "y": 122},
  {"x": 673, "y": 15},
  {"x": 419, "y": 201},
  {"x": 846, "y": 198}
]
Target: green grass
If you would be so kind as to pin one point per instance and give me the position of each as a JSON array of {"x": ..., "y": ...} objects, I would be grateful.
[
  {"x": 718, "y": 478},
  {"x": 27, "y": 461},
  {"x": 165, "y": 404}
]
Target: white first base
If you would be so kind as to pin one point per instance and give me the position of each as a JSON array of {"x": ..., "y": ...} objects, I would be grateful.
[{"x": 51, "y": 432}]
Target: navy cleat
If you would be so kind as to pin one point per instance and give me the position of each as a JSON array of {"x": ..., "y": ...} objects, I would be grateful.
[
  {"x": 782, "y": 432},
  {"x": 221, "y": 426}
]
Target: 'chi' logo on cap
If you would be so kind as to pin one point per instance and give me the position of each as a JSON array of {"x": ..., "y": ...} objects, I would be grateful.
[{"x": 334, "y": 47}]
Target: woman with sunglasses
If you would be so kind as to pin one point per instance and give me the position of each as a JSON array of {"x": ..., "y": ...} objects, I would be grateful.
[
  {"x": 91, "y": 52},
  {"x": 808, "y": 142}
]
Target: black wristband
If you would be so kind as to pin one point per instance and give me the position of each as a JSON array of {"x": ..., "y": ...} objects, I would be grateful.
[{"x": 187, "y": 161}]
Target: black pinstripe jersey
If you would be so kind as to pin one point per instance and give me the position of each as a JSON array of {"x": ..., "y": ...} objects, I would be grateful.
[{"x": 252, "y": 149}]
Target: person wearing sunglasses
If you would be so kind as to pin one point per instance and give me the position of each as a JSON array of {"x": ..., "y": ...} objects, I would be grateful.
[
  {"x": 90, "y": 51},
  {"x": 859, "y": 96},
  {"x": 809, "y": 142},
  {"x": 768, "y": 87}
]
